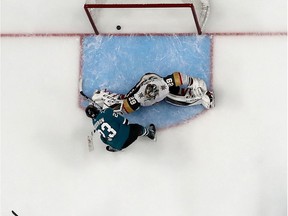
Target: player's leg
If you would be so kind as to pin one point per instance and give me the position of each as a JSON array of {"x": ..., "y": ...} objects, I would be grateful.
[{"x": 137, "y": 130}]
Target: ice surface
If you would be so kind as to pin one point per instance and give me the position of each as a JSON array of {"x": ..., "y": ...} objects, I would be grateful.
[
  {"x": 117, "y": 63},
  {"x": 229, "y": 161}
]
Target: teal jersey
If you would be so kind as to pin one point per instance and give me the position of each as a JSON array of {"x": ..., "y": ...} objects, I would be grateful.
[{"x": 112, "y": 128}]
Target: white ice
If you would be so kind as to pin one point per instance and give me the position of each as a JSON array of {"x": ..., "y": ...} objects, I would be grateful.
[{"x": 230, "y": 161}]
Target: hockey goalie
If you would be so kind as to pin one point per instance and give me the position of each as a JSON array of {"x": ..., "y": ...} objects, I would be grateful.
[{"x": 178, "y": 89}]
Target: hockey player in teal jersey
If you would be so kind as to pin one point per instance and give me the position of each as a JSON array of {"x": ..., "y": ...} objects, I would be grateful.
[{"x": 115, "y": 130}]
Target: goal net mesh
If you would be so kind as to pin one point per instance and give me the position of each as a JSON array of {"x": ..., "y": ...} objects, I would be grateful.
[{"x": 145, "y": 16}]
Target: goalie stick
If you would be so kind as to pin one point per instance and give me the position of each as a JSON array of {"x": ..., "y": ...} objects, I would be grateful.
[{"x": 86, "y": 97}]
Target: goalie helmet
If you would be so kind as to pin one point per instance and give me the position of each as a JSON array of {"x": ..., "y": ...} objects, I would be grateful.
[
  {"x": 151, "y": 91},
  {"x": 91, "y": 111}
]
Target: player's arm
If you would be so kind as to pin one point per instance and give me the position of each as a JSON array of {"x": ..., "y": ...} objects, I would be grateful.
[
  {"x": 121, "y": 120},
  {"x": 130, "y": 104},
  {"x": 178, "y": 79}
]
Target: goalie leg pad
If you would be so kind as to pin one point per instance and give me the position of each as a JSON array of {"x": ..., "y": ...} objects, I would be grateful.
[
  {"x": 207, "y": 100},
  {"x": 198, "y": 83},
  {"x": 179, "y": 100}
]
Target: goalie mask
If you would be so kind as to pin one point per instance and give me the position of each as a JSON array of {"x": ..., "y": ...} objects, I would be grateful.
[
  {"x": 151, "y": 91},
  {"x": 91, "y": 111}
]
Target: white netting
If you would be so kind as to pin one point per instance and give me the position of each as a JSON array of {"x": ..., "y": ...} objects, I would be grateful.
[
  {"x": 148, "y": 19},
  {"x": 136, "y": 1}
]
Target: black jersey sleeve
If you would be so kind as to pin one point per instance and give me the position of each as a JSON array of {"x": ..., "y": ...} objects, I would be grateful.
[
  {"x": 174, "y": 80},
  {"x": 130, "y": 104}
]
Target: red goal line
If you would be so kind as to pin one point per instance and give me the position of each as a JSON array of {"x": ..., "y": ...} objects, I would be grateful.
[{"x": 91, "y": 34}]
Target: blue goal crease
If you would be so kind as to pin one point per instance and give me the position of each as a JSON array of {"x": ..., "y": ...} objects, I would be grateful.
[{"x": 117, "y": 63}]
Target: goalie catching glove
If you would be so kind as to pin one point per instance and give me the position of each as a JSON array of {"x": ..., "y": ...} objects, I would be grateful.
[{"x": 107, "y": 99}]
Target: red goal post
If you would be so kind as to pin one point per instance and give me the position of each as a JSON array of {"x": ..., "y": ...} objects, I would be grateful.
[{"x": 141, "y": 16}]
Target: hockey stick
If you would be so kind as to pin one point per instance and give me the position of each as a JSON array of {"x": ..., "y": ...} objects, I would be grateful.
[
  {"x": 85, "y": 96},
  {"x": 90, "y": 136},
  {"x": 90, "y": 141}
]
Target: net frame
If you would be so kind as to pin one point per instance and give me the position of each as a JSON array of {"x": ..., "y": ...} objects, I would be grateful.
[{"x": 88, "y": 6}]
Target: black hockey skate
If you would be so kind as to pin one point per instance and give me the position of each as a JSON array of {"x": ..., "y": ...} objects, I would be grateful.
[
  {"x": 152, "y": 132},
  {"x": 110, "y": 149}
]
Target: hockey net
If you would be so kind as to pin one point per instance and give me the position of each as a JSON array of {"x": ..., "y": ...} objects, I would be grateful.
[{"x": 147, "y": 16}]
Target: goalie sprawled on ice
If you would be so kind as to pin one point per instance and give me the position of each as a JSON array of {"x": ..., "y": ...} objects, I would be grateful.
[{"x": 153, "y": 88}]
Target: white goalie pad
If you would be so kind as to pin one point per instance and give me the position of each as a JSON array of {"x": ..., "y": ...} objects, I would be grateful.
[
  {"x": 189, "y": 99},
  {"x": 185, "y": 100},
  {"x": 107, "y": 99},
  {"x": 208, "y": 100}
]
